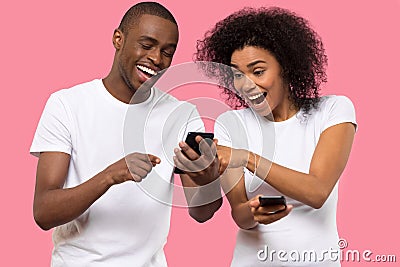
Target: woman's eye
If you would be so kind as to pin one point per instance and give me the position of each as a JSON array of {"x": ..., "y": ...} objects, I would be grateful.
[
  {"x": 258, "y": 72},
  {"x": 238, "y": 75}
]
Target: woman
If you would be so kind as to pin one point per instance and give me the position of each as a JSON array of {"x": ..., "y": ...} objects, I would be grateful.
[{"x": 277, "y": 67}]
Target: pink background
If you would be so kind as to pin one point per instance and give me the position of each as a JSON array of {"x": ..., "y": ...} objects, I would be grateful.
[{"x": 49, "y": 45}]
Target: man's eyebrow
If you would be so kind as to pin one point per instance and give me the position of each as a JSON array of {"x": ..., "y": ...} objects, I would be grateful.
[
  {"x": 148, "y": 38},
  {"x": 154, "y": 41}
]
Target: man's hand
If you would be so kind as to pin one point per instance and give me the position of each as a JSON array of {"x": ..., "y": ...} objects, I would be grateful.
[
  {"x": 54, "y": 205},
  {"x": 202, "y": 169},
  {"x": 134, "y": 166}
]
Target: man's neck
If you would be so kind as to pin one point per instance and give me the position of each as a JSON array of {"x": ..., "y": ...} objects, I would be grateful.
[{"x": 117, "y": 88}]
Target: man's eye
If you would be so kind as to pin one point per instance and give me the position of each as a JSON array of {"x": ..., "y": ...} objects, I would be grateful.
[
  {"x": 168, "y": 53},
  {"x": 146, "y": 46}
]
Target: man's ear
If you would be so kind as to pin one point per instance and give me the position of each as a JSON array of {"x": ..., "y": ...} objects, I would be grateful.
[{"x": 118, "y": 39}]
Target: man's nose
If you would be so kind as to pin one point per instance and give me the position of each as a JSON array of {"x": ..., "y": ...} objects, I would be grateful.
[{"x": 155, "y": 56}]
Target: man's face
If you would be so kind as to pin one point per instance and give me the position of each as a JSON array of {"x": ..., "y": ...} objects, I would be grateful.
[{"x": 146, "y": 49}]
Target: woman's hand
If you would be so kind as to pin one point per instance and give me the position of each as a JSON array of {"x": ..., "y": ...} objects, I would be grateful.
[
  {"x": 231, "y": 158},
  {"x": 263, "y": 214}
]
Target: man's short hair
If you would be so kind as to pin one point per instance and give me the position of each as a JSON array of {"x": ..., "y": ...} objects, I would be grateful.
[{"x": 144, "y": 8}]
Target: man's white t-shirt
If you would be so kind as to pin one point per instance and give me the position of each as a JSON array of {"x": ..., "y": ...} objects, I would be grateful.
[
  {"x": 302, "y": 237},
  {"x": 128, "y": 225}
]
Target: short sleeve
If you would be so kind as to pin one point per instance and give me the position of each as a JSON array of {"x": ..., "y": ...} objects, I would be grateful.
[
  {"x": 338, "y": 109},
  {"x": 221, "y": 131},
  {"x": 230, "y": 130},
  {"x": 54, "y": 129},
  {"x": 194, "y": 123}
]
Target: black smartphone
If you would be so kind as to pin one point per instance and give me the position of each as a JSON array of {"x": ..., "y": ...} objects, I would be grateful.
[
  {"x": 191, "y": 141},
  {"x": 273, "y": 201}
]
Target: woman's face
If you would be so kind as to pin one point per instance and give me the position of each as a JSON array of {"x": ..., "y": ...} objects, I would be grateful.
[{"x": 257, "y": 77}]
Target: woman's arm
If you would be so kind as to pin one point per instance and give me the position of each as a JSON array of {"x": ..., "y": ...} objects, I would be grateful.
[
  {"x": 246, "y": 213},
  {"x": 327, "y": 164},
  {"x": 232, "y": 182}
]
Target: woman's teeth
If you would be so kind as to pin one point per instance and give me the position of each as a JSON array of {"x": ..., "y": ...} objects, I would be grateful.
[
  {"x": 258, "y": 98},
  {"x": 146, "y": 70},
  {"x": 254, "y": 97}
]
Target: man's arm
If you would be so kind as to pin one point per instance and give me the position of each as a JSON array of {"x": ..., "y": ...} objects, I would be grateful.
[
  {"x": 203, "y": 201},
  {"x": 54, "y": 205},
  {"x": 201, "y": 186}
]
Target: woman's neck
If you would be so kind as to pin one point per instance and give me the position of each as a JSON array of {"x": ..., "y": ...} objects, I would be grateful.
[{"x": 284, "y": 111}]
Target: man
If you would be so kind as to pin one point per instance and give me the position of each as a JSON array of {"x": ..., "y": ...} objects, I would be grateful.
[{"x": 84, "y": 185}]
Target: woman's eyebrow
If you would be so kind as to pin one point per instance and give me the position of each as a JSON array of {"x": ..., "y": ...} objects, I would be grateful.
[
  {"x": 251, "y": 64},
  {"x": 255, "y": 63}
]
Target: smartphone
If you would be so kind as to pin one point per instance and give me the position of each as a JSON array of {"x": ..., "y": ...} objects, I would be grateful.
[
  {"x": 273, "y": 201},
  {"x": 191, "y": 141}
]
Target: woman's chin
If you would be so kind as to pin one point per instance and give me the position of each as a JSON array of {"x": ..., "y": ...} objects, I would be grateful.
[{"x": 262, "y": 109}]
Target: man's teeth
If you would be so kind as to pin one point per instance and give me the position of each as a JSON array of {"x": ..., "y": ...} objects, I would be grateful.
[
  {"x": 254, "y": 97},
  {"x": 146, "y": 70}
]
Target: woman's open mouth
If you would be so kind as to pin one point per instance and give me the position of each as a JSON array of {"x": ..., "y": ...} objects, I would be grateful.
[{"x": 258, "y": 98}]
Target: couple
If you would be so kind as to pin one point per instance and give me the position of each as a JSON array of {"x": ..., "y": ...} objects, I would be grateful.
[{"x": 85, "y": 170}]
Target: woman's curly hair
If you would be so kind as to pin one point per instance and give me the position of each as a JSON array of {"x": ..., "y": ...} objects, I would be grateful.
[{"x": 298, "y": 49}]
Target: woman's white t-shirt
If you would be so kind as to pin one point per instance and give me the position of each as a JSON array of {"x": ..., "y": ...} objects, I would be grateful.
[{"x": 307, "y": 236}]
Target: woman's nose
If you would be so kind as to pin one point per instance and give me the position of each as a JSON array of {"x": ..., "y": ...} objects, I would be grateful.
[{"x": 247, "y": 85}]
